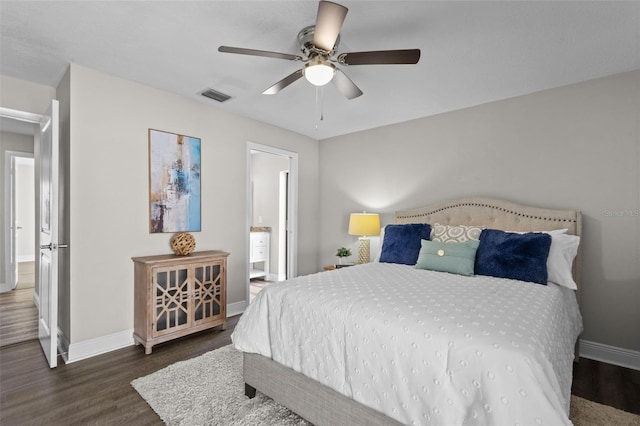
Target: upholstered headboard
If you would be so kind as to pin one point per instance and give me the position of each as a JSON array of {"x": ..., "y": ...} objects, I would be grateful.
[{"x": 498, "y": 214}]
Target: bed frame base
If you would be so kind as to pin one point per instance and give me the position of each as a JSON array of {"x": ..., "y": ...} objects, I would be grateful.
[
  {"x": 309, "y": 399},
  {"x": 249, "y": 391}
]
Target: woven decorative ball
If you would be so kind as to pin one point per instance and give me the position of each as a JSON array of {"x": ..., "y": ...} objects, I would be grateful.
[{"x": 183, "y": 243}]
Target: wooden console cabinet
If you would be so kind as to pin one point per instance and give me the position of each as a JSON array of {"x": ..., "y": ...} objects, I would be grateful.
[{"x": 178, "y": 295}]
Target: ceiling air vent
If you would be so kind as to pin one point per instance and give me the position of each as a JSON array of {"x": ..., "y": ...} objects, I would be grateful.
[{"x": 215, "y": 95}]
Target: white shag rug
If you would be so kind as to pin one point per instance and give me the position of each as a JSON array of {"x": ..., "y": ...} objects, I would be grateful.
[{"x": 209, "y": 390}]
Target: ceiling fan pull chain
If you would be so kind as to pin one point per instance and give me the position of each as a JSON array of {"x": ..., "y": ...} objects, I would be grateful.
[
  {"x": 317, "y": 106},
  {"x": 319, "y": 113},
  {"x": 321, "y": 104}
]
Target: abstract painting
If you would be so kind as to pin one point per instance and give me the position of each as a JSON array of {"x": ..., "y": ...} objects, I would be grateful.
[{"x": 174, "y": 182}]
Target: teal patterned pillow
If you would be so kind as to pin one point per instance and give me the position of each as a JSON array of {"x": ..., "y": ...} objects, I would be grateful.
[{"x": 456, "y": 258}]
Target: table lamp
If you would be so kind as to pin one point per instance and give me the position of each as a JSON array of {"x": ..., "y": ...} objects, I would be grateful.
[{"x": 364, "y": 225}]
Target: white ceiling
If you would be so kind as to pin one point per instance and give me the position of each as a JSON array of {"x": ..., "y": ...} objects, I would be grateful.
[{"x": 472, "y": 52}]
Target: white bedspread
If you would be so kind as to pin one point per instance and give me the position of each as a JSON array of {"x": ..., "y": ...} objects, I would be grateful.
[{"x": 424, "y": 347}]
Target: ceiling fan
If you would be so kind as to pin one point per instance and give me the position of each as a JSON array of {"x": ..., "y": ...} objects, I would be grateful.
[{"x": 319, "y": 44}]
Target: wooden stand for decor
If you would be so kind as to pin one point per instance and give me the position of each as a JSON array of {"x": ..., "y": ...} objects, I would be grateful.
[
  {"x": 183, "y": 243},
  {"x": 178, "y": 295}
]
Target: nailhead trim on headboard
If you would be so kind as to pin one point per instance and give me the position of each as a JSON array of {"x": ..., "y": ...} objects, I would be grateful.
[{"x": 453, "y": 206}]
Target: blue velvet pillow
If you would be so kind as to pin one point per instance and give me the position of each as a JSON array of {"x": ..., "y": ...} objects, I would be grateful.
[
  {"x": 510, "y": 255},
  {"x": 402, "y": 243}
]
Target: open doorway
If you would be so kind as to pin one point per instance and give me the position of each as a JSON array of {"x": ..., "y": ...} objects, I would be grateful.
[
  {"x": 18, "y": 296},
  {"x": 272, "y": 216}
]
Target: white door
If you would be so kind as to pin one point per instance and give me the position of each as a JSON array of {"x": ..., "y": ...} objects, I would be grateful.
[{"x": 48, "y": 227}]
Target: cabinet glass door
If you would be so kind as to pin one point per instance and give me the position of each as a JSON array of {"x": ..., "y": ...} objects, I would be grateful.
[
  {"x": 208, "y": 301},
  {"x": 172, "y": 299}
]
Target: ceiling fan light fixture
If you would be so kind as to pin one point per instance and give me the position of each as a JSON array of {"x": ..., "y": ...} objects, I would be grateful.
[
  {"x": 319, "y": 73},
  {"x": 319, "y": 44}
]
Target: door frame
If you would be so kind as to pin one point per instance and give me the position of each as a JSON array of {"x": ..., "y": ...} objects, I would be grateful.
[
  {"x": 283, "y": 204},
  {"x": 292, "y": 209}
]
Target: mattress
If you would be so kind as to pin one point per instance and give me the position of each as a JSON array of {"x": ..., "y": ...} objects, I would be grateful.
[{"x": 423, "y": 347}]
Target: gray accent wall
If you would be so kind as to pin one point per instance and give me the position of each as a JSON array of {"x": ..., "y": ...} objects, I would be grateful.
[{"x": 575, "y": 147}]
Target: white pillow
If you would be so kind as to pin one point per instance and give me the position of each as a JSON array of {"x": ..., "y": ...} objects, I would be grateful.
[
  {"x": 563, "y": 250},
  {"x": 377, "y": 258},
  {"x": 557, "y": 231}
]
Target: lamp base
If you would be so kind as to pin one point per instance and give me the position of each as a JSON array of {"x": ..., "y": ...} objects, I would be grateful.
[{"x": 363, "y": 250}]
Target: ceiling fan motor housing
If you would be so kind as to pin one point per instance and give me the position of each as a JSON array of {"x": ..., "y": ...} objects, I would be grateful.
[{"x": 305, "y": 40}]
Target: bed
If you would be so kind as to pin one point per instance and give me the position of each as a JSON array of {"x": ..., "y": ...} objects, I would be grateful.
[{"x": 394, "y": 343}]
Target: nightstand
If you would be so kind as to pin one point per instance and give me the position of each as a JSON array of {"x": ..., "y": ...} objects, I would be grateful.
[{"x": 332, "y": 267}]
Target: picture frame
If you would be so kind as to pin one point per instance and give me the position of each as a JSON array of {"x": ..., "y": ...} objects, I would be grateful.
[{"x": 174, "y": 182}]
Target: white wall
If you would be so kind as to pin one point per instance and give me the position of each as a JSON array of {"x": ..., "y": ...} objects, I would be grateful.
[
  {"x": 25, "y": 210},
  {"x": 108, "y": 195},
  {"x": 575, "y": 147},
  {"x": 24, "y": 96}
]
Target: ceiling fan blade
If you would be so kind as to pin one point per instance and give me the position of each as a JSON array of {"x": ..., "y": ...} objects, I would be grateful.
[
  {"x": 291, "y": 78},
  {"x": 345, "y": 85},
  {"x": 328, "y": 24},
  {"x": 379, "y": 57},
  {"x": 254, "y": 52}
]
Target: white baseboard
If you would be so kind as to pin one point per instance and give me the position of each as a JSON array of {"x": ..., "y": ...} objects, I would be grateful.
[
  {"x": 4, "y": 287},
  {"x": 63, "y": 346},
  {"x": 26, "y": 258},
  {"x": 237, "y": 308},
  {"x": 275, "y": 277},
  {"x": 610, "y": 354},
  {"x": 72, "y": 352},
  {"x": 97, "y": 346}
]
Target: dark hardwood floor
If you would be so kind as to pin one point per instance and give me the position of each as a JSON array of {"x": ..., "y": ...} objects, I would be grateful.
[
  {"x": 607, "y": 384},
  {"x": 97, "y": 391},
  {"x": 18, "y": 313},
  {"x": 18, "y": 317}
]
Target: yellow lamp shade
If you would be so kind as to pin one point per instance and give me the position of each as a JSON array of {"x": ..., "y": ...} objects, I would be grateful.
[{"x": 364, "y": 224}]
